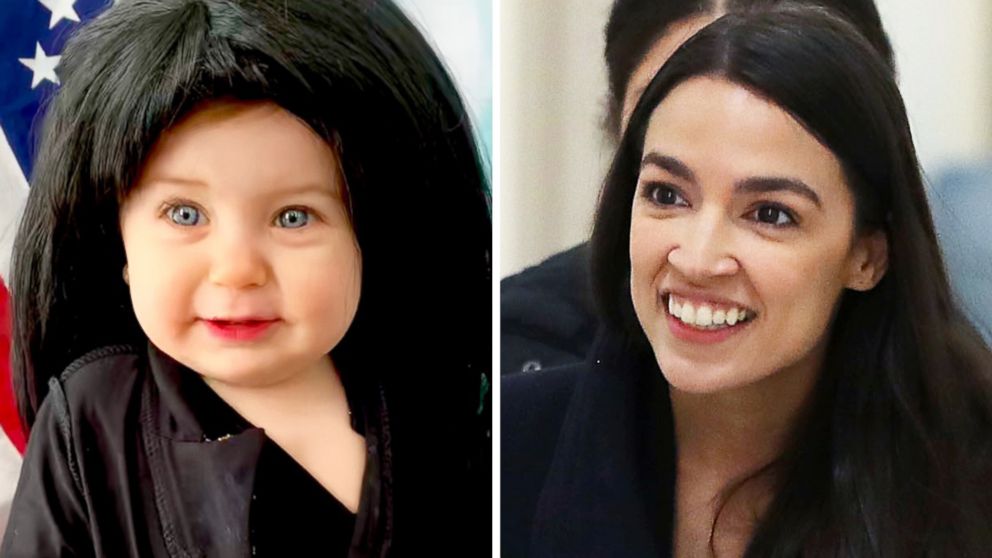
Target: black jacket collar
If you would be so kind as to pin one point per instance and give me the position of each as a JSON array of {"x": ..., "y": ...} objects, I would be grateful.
[
  {"x": 609, "y": 491},
  {"x": 203, "y": 456}
]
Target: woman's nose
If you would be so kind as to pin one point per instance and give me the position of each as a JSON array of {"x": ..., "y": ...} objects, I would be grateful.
[
  {"x": 238, "y": 260},
  {"x": 705, "y": 249}
]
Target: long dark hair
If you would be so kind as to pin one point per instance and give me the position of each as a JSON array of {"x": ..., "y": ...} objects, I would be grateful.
[
  {"x": 635, "y": 25},
  {"x": 893, "y": 456},
  {"x": 364, "y": 78}
]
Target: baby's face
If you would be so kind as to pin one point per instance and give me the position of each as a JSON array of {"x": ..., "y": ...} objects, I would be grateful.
[{"x": 242, "y": 261}]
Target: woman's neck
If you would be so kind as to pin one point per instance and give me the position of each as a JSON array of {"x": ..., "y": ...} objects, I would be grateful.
[
  {"x": 739, "y": 431},
  {"x": 722, "y": 438}
]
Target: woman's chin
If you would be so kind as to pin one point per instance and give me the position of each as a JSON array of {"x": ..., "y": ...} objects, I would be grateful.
[{"x": 704, "y": 378}]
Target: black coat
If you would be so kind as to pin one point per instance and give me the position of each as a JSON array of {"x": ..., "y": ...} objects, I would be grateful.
[
  {"x": 588, "y": 458},
  {"x": 120, "y": 464},
  {"x": 546, "y": 314}
]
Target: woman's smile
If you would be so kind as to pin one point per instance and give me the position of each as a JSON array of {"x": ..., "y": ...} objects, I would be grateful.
[{"x": 704, "y": 321}]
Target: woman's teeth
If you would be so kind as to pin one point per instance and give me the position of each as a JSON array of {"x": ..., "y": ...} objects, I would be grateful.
[{"x": 705, "y": 316}]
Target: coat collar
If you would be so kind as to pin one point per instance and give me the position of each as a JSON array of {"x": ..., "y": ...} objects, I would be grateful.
[
  {"x": 202, "y": 456},
  {"x": 609, "y": 491}
]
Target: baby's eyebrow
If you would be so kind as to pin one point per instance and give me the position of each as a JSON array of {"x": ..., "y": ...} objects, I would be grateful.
[
  {"x": 309, "y": 188},
  {"x": 175, "y": 180},
  {"x": 325, "y": 189}
]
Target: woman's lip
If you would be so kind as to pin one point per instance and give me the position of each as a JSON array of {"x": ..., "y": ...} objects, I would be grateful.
[
  {"x": 241, "y": 330},
  {"x": 690, "y": 334}
]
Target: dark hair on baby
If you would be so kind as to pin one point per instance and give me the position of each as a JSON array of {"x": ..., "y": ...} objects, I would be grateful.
[{"x": 362, "y": 76}]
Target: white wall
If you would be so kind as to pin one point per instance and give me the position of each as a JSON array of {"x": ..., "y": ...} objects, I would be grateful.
[
  {"x": 553, "y": 154},
  {"x": 945, "y": 73},
  {"x": 553, "y": 86}
]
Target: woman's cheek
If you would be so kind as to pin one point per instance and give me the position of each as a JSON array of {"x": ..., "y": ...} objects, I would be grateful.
[{"x": 649, "y": 246}]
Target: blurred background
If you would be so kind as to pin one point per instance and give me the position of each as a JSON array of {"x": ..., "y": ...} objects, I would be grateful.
[
  {"x": 554, "y": 153},
  {"x": 462, "y": 31}
]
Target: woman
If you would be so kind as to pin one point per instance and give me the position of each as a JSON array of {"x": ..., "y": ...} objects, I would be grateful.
[
  {"x": 781, "y": 370},
  {"x": 546, "y": 314},
  {"x": 220, "y": 346}
]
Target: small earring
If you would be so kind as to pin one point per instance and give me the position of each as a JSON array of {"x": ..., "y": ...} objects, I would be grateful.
[{"x": 127, "y": 279}]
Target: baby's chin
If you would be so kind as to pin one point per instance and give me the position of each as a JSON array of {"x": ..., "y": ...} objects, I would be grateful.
[
  {"x": 236, "y": 367},
  {"x": 249, "y": 376}
]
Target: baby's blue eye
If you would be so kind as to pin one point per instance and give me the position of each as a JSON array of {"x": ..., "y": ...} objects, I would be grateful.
[
  {"x": 184, "y": 215},
  {"x": 293, "y": 218}
]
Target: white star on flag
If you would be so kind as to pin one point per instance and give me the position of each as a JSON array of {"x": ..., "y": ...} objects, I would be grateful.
[
  {"x": 61, "y": 9},
  {"x": 42, "y": 65}
]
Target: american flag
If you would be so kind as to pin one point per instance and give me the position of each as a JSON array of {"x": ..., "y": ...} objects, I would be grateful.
[{"x": 32, "y": 34}]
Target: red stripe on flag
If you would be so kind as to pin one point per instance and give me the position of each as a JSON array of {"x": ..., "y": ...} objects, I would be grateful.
[{"x": 9, "y": 420}]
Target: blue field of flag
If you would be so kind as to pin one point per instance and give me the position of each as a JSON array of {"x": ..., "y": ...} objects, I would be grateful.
[{"x": 32, "y": 34}]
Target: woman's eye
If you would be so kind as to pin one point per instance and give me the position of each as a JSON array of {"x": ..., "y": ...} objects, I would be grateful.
[
  {"x": 184, "y": 215},
  {"x": 293, "y": 218},
  {"x": 665, "y": 195},
  {"x": 773, "y": 215}
]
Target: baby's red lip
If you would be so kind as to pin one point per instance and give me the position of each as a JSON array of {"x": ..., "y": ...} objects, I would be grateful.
[
  {"x": 237, "y": 321},
  {"x": 240, "y": 329}
]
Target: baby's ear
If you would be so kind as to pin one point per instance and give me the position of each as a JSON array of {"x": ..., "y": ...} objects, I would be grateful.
[{"x": 869, "y": 261}]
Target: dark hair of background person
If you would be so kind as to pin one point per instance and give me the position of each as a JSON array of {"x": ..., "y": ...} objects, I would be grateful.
[
  {"x": 634, "y": 26},
  {"x": 892, "y": 457},
  {"x": 362, "y": 76}
]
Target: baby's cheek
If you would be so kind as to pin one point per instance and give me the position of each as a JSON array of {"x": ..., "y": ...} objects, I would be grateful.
[
  {"x": 329, "y": 299},
  {"x": 162, "y": 297}
]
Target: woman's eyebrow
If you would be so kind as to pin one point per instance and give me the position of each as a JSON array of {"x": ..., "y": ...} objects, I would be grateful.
[
  {"x": 764, "y": 184},
  {"x": 670, "y": 164},
  {"x": 756, "y": 184}
]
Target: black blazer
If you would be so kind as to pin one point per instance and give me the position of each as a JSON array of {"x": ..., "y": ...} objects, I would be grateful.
[
  {"x": 120, "y": 464},
  {"x": 588, "y": 457}
]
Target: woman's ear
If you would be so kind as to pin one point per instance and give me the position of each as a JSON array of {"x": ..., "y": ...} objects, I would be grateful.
[{"x": 869, "y": 261}]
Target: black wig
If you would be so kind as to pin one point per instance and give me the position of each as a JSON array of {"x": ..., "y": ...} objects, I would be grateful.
[{"x": 361, "y": 75}]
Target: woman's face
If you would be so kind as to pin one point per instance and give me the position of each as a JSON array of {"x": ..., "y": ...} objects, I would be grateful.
[
  {"x": 242, "y": 261},
  {"x": 741, "y": 239}
]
